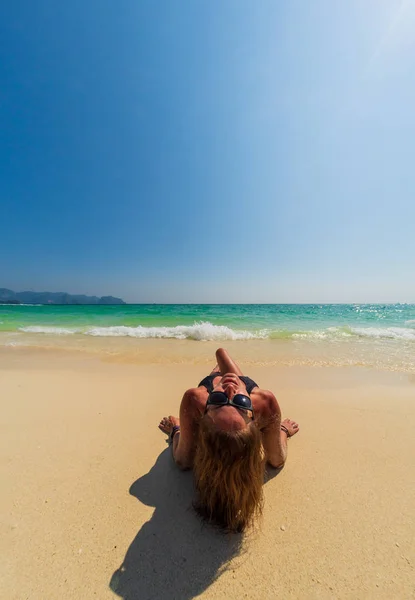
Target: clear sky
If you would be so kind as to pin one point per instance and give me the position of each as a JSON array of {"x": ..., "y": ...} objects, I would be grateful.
[{"x": 209, "y": 151}]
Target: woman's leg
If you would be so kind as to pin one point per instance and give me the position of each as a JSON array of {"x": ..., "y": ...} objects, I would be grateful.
[{"x": 225, "y": 363}]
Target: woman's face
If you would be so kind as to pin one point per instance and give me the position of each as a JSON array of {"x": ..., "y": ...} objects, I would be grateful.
[{"x": 229, "y": 418}]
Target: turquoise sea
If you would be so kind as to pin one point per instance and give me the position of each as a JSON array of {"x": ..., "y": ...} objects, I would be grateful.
[{"x": 384, "y": 328}]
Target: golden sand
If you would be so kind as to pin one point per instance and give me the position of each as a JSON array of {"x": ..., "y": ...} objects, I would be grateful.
[{"x": 93, "y": 506}]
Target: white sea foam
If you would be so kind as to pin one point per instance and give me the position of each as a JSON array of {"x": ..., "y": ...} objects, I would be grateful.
[
  {"x": 397, "y": 333},
  {"x": 203, "y": 331},
  {"x": 338, "y": 333},
  {"x": 51, "y": 330},
  {"x": 21, "y": 304},
  {"x": 315, "y": 335},
  {"x": 331, "y": 333}
]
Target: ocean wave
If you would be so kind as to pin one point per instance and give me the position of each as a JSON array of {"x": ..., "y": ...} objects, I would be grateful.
[
  {"x": 397, "y": 333},
  {"x": 51, "y": 330},
  {"x": 206, "y": 331},
  {"x": 343, "y": 333},
  {"x": 21, "y": 304},
  {"x": 203, "y": 331},
  {"x": 330, "y": 333}
]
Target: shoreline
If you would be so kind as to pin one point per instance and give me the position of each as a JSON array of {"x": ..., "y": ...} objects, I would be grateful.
[
  {"x": 388, "y": 357},
  {"x": 94, "y": 505},
  {"x": 29, "y": 357}
]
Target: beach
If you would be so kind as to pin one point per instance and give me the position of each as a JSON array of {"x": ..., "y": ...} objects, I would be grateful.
[
  {"x": 178, "y": 179},
  {"x": 95, "y": 508}
]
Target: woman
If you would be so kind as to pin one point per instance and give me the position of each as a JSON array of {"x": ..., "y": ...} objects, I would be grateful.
[{"x": 228, "y": 429}]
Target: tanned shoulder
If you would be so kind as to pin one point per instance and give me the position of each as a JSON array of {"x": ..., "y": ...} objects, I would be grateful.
[{"x": 266, "y": 406}]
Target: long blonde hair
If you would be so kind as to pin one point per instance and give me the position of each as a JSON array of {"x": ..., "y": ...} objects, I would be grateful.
[{"x": 229, "y": 474}]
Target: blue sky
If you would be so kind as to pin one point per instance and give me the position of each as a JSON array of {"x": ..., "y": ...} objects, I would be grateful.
[{"x": 209, "y": 151}]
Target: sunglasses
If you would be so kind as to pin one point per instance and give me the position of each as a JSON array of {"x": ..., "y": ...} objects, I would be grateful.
[{"x": 239, "y": 401}]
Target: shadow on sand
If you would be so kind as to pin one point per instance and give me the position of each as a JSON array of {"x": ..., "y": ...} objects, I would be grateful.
[{"x": 173, "y": 555}]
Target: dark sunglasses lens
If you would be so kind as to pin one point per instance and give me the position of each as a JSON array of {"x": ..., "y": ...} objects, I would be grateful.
[
  {"x": 242, "y": 401},
  {"x": 218, "y": 398}
]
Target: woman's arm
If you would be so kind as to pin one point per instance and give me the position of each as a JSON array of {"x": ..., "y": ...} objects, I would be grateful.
[
  {"x": 184, "y": 441},
  {"x": 274, "y": 439}
]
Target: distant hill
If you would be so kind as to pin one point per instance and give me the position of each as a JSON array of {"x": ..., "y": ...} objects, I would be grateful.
[{"x": 10, "y": 297}]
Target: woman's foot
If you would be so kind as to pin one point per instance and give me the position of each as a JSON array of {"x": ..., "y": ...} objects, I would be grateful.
[
  {"x": 167, "y": 424},
  {"x": 291, "y": 426}
]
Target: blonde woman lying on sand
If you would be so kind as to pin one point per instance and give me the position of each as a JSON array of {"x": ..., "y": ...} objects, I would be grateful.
[{"x": 228, "y": 429}]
